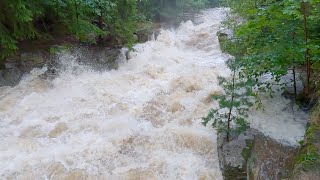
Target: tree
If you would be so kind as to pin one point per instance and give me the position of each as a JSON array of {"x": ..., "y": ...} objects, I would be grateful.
[
  {"x": 19, "y": 20},
  {"x": 165, "y": 10},
  {"x": 277, "y": 36},
  {"x": 112, "y": 21},
  {"x": 234, "y": 105},
  {"x": 16, "y": 23}
]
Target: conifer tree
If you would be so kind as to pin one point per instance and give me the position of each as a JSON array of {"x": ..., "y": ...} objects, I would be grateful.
[{"x": 238, "y": 98}]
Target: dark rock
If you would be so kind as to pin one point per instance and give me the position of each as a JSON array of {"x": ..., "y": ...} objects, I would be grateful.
[
  {"x": 232, "y": 160},
  {"x": 272, "y": 160},
  {"x": 255, "y": 156},
  {"x": 98, "y": 58},
  {"x": 17, "y": 66},
  {"x": 222, "y": 36},
  {"x": 30, "y": 60},
  {"x": 95, "y": 57},
  {"x": 10, "y": 77},
  {"x": 147, "y": 32}
]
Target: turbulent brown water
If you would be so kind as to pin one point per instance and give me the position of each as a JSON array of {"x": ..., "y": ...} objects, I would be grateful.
[{"x": 141, "y": 121}]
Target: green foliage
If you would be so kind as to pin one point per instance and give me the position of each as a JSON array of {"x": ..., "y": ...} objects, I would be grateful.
[
  {"x": 164, "y": 10},
  {"x": 125, "y": 21},
  {"x": 59, "y": 49},
  {"x": 16, "y": 23},
  {"x": 247, "y": 151},
  {"x": 114, "y": 21},
  {"x": 275, "y": 36},
  {"x": 85, "y": 19},
  {"x": 234, "y": 104},
  {"x": 116, "y": 18}
]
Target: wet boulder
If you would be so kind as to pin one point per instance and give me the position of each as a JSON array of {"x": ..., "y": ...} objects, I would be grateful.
[
  {"x": 17, "y": 66},
  {"x": 253, "y": 155}
]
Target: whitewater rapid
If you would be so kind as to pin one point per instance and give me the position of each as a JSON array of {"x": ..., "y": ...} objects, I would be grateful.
[{"x": 141, "y": 121}]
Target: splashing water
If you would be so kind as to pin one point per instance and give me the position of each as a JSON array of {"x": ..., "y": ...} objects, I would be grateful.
[{"x": 141, "y": 121}]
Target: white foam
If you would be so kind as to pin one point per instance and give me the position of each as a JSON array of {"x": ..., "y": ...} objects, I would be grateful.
[
  {"x": 280, "y": 119},
  {"x": 141, "y": 121}
]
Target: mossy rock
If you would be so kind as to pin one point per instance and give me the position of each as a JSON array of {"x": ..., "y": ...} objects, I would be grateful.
[
  {"x": 307, "y": 162},
  {"x": 247, "y": 151},
  {"x": 234, "y": 173}
]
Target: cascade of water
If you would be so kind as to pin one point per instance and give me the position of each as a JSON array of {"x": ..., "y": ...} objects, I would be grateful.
[{"x": 141, "y": 121}]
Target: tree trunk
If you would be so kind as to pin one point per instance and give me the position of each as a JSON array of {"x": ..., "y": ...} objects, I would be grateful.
[
  {"x": 57, "y": 9},
  {"x": 231, "y": 106},
  {"x": 307, "y": 53},
  {"x": 294, "y": 72},
  {"x": 294, "y": 82},
  {"x": 77, "y": 17},
  {"x": 100, "y": 25}
]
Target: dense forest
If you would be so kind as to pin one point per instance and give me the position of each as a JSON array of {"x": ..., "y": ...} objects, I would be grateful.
[{"x": 91, "y": 21}]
